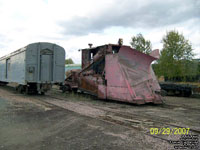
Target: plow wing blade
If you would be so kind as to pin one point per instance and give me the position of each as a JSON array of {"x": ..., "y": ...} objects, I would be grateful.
[{"x": 130, "y": 77}]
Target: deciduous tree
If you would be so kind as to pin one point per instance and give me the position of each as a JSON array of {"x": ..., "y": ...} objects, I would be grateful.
[
  {"x": 139, "y": 43},
  {"x": 69, "y": 61},
  {"x": 175, "y": 55}
]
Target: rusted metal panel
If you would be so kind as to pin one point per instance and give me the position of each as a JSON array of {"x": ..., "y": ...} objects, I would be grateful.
[
  {"x": 102, "y": 91},
  {"x": 113, "y": 73},
  {"x": 85, "y": 58},
  {"x": 89, "y": 84},
  {"x": 129, "y": 71}
]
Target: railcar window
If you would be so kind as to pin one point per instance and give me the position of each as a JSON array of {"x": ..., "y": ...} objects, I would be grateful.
[
  {"x": 91, "y": 56},
  {"x": 115, "y": 49}
]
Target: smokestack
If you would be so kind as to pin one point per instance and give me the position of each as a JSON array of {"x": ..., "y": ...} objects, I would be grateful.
[
  {"x": 120, "y": 41},
  {"x": 90, "y": 45}
]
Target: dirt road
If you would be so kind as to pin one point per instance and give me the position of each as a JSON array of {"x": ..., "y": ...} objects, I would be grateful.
[{"x": 68, "y": 121}]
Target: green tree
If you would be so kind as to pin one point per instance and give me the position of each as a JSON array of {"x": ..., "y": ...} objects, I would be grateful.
[
  {"x": 139, "y": 43},
  {"x": 69, "y": 61},
  {"x": 176, "y": 55}
]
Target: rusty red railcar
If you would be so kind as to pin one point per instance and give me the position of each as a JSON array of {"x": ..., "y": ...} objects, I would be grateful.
[
  {"x": 118, "y": 72},
  {"x": 71, "y": 81}
]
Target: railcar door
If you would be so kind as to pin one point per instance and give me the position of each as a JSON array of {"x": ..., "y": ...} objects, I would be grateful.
[
  {"x": 8, "y": 68},
  {"x": 46, "y": 66}
]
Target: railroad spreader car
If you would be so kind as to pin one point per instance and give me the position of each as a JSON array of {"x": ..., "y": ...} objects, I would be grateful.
[{"x": 117, "y": 72}]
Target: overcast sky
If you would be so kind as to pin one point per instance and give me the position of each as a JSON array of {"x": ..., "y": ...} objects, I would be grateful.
[{"x": 75, "y": 23}]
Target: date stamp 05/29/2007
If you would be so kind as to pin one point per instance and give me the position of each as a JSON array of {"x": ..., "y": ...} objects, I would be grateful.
[{"x": 186, "y": 141}]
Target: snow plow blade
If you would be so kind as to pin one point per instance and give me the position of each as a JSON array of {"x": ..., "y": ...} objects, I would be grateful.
[{"x": 130, "y": 77}]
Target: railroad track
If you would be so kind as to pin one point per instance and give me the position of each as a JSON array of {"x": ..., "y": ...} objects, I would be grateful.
[
  {"x": 182, "y": 106},
  {"x": 106, "y": 118},
  {"x": 134, "y": 121},
  {"x": 138, "y": 117},
  {"x": 141, "y": 123}
]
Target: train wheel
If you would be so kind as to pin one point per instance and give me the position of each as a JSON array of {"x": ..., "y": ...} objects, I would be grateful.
[
  {"x": 26, "y": 90},
  {"x": 188, "y": 93},
  {"x": 63, "y": 89},
  {"x": 66, "y": 88},
  {"x": 75, "y": 90},
  {"x": 20, "y": 89},
  {"x": 16, "y": 88}
]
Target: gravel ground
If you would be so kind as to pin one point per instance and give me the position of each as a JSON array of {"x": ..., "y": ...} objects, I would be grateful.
[{"x": 70, "y": 121}]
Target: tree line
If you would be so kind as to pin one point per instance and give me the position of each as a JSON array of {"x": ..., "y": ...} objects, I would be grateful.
[{"x": 176, "y": 62}]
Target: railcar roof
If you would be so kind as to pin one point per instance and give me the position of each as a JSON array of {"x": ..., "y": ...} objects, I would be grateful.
[
  {"x": 21, "y": 50},
  {"x": 103, "y": 46},
  {"x": 14, "y": 53}
]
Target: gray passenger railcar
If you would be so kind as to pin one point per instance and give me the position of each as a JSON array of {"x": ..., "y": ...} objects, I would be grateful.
[{"x": 34, "y": 68}]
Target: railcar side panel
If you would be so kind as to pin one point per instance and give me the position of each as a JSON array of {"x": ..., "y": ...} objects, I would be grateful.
[
  {"x": 2, "y": 69},
  {"x": 31, "y": 63},
  {"x": 13, "y": 68}
]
